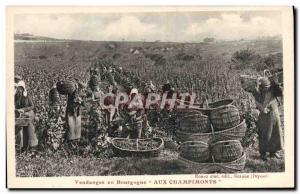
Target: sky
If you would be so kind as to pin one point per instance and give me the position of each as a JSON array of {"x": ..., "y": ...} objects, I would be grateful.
[{"x": 164, "y": 26}]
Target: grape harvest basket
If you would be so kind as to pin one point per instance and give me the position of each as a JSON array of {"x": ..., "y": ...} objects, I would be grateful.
[
  {"x": 137, "y": 147},
  {"x": 213, "y": 167}
]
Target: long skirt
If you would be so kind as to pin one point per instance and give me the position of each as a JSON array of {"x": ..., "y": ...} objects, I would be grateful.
[
  {"x": 73, "y": 127},
  {"x": 26, "y": 136},
  {"x": 269, "y": 131}
]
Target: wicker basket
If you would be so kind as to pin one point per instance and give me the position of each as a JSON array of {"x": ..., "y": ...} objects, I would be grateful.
[
  {"x": 226, "y": 167},
  {"x": 184, "y": 136},
  {"x": 220, "y": 103},
  {"x": 234, "y": 133},
  {"x": 196, "y": 123},
  {"x": 233, "y": 166},
  {"x": 185, "y": 112},
  {"x": 195, "y": 151},
  {"x": 65, "y": 87},
  {"x": 198, "y": 167},
  {"x": 225, "y": 151},
  {"x": 224, "y": 117},
  {"x": 137, "y": 151}
]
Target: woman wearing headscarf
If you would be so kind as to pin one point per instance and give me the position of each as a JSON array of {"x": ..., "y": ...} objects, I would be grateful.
[
  {"x": 133, "y": 116},
  {"x": 268, "y": 124},
  {"x": 26, "y": 136}
]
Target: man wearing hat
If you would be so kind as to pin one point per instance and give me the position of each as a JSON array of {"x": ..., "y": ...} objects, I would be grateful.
[{"x": 268, "y": 124}]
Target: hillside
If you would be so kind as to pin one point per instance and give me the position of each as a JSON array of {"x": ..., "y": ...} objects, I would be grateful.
[{"x": 27, "y": 36}]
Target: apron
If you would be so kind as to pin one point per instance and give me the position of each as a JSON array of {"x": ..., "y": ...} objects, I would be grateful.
[
  {"x": 25, "y": 136},
  {"x": 73, "y": 118},
  {"x": 269, "y": 130},
  {"x": 269, "y": 125}
]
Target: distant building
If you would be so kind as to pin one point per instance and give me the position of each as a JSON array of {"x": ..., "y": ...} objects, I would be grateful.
[{"x": 136, "y": 52}]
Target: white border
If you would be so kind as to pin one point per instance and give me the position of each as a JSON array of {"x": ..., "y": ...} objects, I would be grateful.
[{"x": 105, "y": 2}]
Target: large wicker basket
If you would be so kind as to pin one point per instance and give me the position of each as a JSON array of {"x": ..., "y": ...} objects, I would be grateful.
[
  {"x": 220, "y": 103},
  {"x": 234, "y": 133},
  {"x": 226, "y": 167},
  {"x": 134, "y": 149},
  {"x": 186, "y": 112},
  {"x": 195, "y": 151},
  {"x": 233, "y": 166},
  {"x": 198, "y": 167},
  {"x": 195, "y": 123},
  {"x": 224, "y": 117},
  {"x": 184, "y": 136},
  {"x": 225, "y": 151},
  {"x": 65, "y": 87}
]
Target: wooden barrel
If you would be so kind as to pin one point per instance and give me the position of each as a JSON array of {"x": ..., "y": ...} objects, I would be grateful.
[
  {"x": 195, "y": 151},
  {"x": 65, "y": 87},
  {"x": 195, "y": 123},
  {"x": 226, "y": 151},
  {"x": 224, "y": 117}
]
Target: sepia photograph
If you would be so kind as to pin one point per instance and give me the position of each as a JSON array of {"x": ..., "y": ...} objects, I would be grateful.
[{"x": 150, "y": 97}]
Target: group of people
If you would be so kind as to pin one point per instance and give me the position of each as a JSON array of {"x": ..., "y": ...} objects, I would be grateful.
[
  {"x": 104, "y": 122},
  {"x": 132, "y": 123}
]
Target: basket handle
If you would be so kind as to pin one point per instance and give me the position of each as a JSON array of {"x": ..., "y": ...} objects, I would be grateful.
[{"x": 267, "y": 73}]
